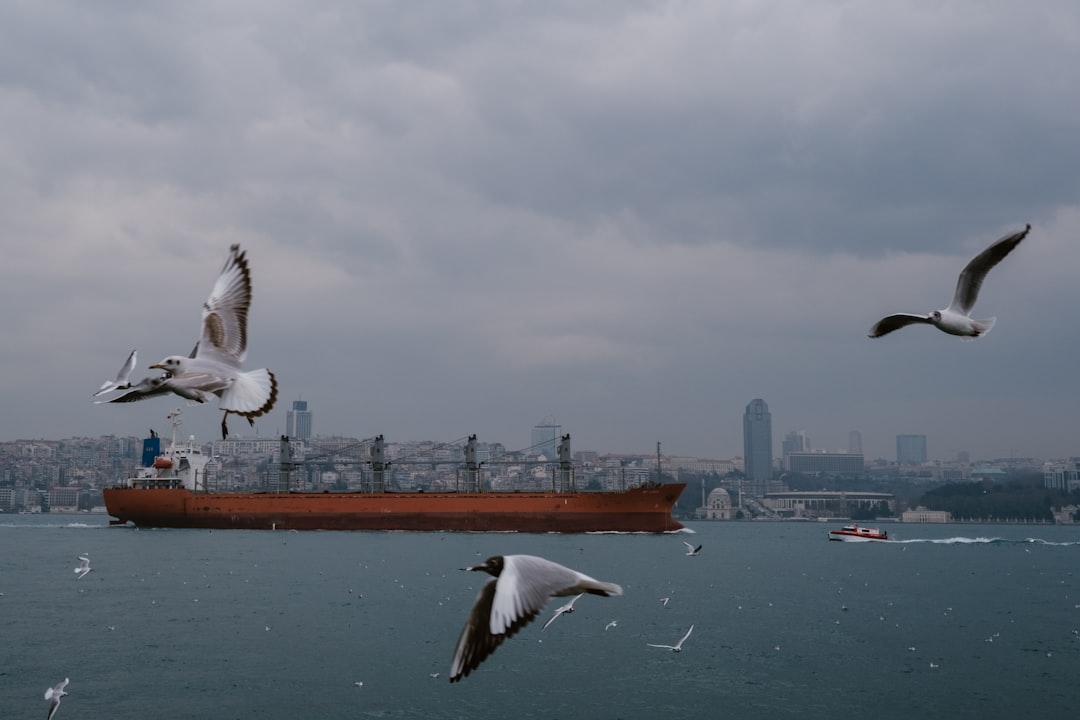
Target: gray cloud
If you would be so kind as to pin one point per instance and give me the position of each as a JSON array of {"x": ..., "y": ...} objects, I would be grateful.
[{"x": 633, "y": 216}]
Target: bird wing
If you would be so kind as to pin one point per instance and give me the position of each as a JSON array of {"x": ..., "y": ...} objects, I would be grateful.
[
  {"x": 666, "y": 647},
  {"x": 121, "y": 377},
  {"x": 477, "y": 641},
  {"x": 686, "y": 636},
  {"x": 887, "y": 324},
  {"x": 145, "y": 388},
  {"x": 225, "y": 312},
  {"x": 688, "y": 545},
  {"x": 973, "y": 274}
]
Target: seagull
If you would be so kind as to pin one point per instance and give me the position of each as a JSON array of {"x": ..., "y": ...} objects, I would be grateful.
[
  {"x": 163, "y": 384},
  {"x": 611, "y": 624},
  {"x": 956, "y": 319},
  {"x": 664, "y": 601},
  {"x": 677, "y": 647},
  {"x": 54, "y": 694},
  {"x": 567, "y": 608},
  {"x": 691, "y": 550},
  {"x": 84, "y": 567},
  {"x": 122, "y": 381},
  {"x": 521, "y": 588},
  {"x": 214, "y": 366}
]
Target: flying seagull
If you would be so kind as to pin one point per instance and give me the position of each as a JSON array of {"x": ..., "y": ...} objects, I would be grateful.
[
  {"x": 214, "y": 366},
  {"x": 54, "y": 694},
  {"x": 163, "y": 384},
  {"x": 677, "y": 647},
  {"x": 84, "y": 567},
  {"x": 956, "y": 319},
  {"x": 521, "y": 588},
  {"x": 122, "y": 381},
  {"x": 691, "y": 550},
  {"x": 567, "y": 608}
]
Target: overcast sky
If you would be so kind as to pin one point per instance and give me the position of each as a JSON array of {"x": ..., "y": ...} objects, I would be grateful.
[{"x": 636, "y": 217}]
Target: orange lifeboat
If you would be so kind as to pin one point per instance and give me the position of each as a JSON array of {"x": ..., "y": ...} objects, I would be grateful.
[{"x": 162, "y": 463}]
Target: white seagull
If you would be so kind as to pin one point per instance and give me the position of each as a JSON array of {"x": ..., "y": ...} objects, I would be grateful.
[
  {"x": 567, "y": 608},
  {"x": 122, "y": 381},
  {"x": 677, "y": 647},
  {"x": 54, "y": 694},
  {"x": 521, "y": 588},
  {"x": 214, "y": 366},
  {"x": 956, "y": 319},
  {"x": 84, "y": 567},
  {"x": 691, "y": 550}
]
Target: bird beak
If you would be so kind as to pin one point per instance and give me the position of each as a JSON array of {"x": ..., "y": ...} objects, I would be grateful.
[
  {"x": 157, "y": 366},
  {"x": 474, "y": 567}
]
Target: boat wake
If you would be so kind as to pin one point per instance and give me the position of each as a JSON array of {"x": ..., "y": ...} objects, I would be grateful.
[{"x": 985, "y": 541}]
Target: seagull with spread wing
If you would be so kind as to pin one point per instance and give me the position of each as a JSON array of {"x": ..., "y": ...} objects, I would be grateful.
[
  {"x": 521, "y": 588},
  {"x": 677, "y": 647},
  {"x": 214, "y": 367},
  {"x": 956, "y": 319}
]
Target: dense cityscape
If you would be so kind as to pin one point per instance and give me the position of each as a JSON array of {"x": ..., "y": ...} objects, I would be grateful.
[{"x": 801, "y": 483}]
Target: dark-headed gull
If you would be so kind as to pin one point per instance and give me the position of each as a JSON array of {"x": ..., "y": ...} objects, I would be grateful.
[
  {"x": 691, "y": 550},
  {"x": 122, "y": 381},
  {"x": 956, "y": 319},
  {"x": 214, "y": 366},
  {"x": 84, "y": 567},
  {"x": 677, "y": 647},
  {"x": 54, "y": 694},
  {"x": 521, "y": 588}
]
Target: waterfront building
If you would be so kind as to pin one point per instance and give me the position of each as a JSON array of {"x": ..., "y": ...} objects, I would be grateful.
[
  {"x": 911, "y": 449},
  {"x": 854, "y": 445},
  {"x": 757, "y": 446},
  {"x": 718, "y": 505},
  {"x": 822, "y": 503},
  {"x": 922, "y": 515},
  {"x": 796, "y": 441}
]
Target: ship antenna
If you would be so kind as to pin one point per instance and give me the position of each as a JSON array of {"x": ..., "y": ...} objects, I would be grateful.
[{"x": 177, "y": 421}]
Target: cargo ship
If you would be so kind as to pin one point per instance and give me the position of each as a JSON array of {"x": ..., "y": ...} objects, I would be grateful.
[{"x": 170, "y": 491}]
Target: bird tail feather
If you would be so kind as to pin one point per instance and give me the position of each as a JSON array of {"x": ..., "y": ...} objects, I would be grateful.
[{"x": 253, "y": 394}]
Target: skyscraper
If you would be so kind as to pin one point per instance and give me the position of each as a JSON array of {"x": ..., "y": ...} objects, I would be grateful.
[
  {"x": 757, "y": 446},
  {"x": 911, "y": 449},
  {"x": 298, "y": 421},
  {"x": 545, "y": 438},
  {"x": 854, "y": 444}
]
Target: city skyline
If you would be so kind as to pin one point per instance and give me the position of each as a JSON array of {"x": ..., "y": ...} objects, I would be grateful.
[{"x": 630, "y": 216}]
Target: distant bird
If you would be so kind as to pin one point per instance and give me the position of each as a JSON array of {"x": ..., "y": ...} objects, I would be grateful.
[
  {"x": 956, "y": 319},
  {"x": 54, "y": 694},
  {"x": 691, "y": 550},
  {"x": 84, "y": 567},
  {"x": 664, "y": 601},
  {"x": 122, "y": 381},
  {"x": 611, "y": 624},
  {"x": 565, "y": 609},
  {"x": 214, "y": 366},
  {"x": 521, "y": 588},
  {"x": 677, "y": 647}
]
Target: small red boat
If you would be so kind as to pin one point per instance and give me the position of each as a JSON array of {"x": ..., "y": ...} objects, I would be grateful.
[{"x": 854, "y": 533}]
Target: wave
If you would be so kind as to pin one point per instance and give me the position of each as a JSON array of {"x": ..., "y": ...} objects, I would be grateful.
[{"x": 987, "y": 541}]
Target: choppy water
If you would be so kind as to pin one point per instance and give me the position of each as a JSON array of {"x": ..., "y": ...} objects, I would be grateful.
[{"x": 957, "y": 621}]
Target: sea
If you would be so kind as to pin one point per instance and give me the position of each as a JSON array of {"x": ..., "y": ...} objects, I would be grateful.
[{"x": 944, "y": 621}]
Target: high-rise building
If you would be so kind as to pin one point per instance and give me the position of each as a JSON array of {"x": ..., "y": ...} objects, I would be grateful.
[
  {"x": 796, "y": 441},
  {"x": 298, "y": 421},
  {"x": 545, "y": 438},
  {"x": 854, "y": 443},
  {"x": 757, "y": 446},
  {"x": 911, "y": 449}
]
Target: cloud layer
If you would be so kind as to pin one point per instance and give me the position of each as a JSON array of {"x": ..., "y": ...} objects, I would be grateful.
[{"x": 635, "y": 217}]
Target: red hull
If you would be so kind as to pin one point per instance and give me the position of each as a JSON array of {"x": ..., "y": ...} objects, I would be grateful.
[{"x": 643, "y": 509}]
